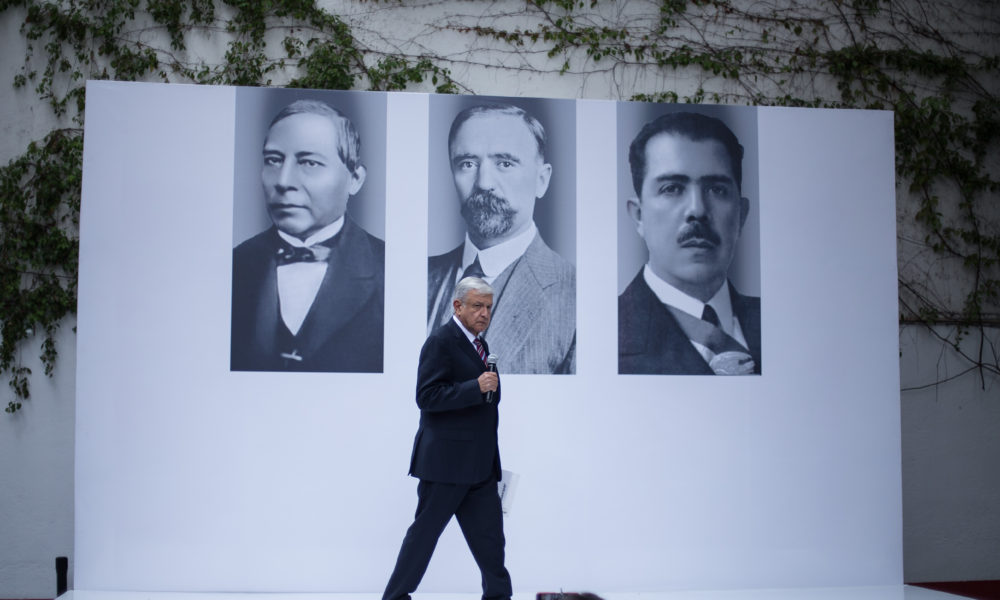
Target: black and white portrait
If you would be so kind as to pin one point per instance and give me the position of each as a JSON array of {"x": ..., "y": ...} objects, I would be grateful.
[
  {"x": 502, "y": 206},
  {"x": 308, "y": 229},
  {"x": 689, "y": 266}
]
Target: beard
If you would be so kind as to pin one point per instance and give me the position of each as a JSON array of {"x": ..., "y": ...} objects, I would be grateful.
[{"x": 488, "y": 215}]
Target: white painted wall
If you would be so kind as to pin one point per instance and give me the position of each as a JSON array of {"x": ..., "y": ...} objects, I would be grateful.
[
  {"x": 950, "y": 444},
  {"x": 196, "y": 478}
]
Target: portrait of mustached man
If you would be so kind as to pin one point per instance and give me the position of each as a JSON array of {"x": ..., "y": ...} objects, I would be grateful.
[{"x": 681, "y": 314}]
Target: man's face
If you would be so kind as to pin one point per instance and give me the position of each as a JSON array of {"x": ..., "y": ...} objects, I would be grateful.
[
  {"x": 474, "y": 312},
  {"x": 306, "y": 185},
  {"x": 690, "y": 212},
  {"x": 498, "y": 175}
]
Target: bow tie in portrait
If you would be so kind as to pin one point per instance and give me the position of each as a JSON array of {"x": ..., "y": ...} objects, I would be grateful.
[{"x": 288, "y": 254}]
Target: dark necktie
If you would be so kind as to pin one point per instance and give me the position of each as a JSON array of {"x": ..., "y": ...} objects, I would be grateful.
[
  {"x": 480, "y": 349},
  {"x": 709, "y": 315},
  {"x": 474, "y": 270}
]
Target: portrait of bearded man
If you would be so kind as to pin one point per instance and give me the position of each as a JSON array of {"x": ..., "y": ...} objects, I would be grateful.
[{"x": 499, "y": 161}]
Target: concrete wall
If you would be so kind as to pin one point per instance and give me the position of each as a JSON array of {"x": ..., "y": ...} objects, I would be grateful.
[
  {"x": 36, "y": 478},
  {"x": 36, "y": 445},
  {"x": 951, "y": 462}
]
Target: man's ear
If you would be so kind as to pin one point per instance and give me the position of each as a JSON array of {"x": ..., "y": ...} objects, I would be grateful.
[
  {"x": 744, "y": 211},
  {"x": 358, "y": 179},
  {"x": 544, "y": 175},
  {"x": 634, "y": 209}
]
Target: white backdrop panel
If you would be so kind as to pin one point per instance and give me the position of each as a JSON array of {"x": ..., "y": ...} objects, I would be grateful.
[{"x": 190, "y": 477}]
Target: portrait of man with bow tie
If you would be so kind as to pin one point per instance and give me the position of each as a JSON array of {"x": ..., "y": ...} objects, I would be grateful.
[
  {"x": 308, "y": 292},
  {"x": 681, "y": 314}
]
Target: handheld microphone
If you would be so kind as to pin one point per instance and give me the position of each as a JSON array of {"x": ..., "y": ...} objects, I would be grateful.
[{"x": 491, "y": 366}]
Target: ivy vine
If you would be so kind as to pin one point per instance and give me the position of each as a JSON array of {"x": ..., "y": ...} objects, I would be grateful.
[
  {"x": 39, "y": 219},
  {"x": 874, "y": 54},
  {"x": 70, "y": 41},
  {"x": 877, "y": 54}
]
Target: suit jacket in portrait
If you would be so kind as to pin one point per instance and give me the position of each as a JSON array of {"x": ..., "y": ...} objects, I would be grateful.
[
  {"x": 456, "y": 441},
  {"x": 651, "y": 341},
  {"x": 533, "y": 329},
  {"x": 342, "y": 331}
]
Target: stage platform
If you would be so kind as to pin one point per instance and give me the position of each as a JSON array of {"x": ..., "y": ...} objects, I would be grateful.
[{"x": 901, "y": 592}]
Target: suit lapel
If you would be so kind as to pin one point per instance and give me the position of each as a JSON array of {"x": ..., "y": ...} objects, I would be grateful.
[
  {"x": 661, "y": 339},
  {"x": 465, "y": 346},
  {"x": 441, "y": 275},
  {"x": 748, "y": 313},
  {"x": 519, "y": 305},
  {"x": 267, "y": 318},
  {"x": 519, "y": 308},
  {"x": 347, "y": 287},
  {"x": 445, "y": 289}
]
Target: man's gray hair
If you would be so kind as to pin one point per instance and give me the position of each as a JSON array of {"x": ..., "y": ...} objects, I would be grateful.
[
  {"x": 471, "y": 284},
  {"x": 348, "y": 141},
  {"x": 533, "y": 125}
]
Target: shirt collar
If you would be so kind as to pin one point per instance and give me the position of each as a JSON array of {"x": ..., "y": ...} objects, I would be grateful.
[
  {"x": 668, "y": 294},
  {"x": 495, "y": 259},
  {"x": 468, "y": 334},
  {"x": 320, "y": 236}
]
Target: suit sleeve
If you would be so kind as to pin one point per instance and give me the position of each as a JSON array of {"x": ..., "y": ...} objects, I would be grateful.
[{"x": 440, "y": 387}]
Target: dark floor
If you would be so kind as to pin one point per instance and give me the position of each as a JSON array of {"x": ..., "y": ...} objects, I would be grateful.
[{"x": 980, "y": 590}]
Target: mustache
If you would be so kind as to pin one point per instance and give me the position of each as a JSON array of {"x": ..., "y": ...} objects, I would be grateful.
[
  {"x": 698, "y": 230},
  {"x": 485, "y": 200}
]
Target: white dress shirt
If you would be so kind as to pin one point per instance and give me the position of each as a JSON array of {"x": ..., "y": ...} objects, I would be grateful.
[
  {"x": 721, "y": 302},
  {"x": 299, "y": 282},
  {"x": 495, "y": 259},
  {"x": 468, "y": 334}
]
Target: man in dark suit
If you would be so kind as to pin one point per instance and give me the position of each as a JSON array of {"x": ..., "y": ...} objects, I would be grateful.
[
  {"x": 497, "y": 158},
  {"x": 455, "y": 453},
  {"x": 308, "y": 293},
  {"x": 680, "y": 314}
]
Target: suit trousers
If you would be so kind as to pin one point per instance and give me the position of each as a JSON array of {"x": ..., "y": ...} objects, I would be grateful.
[{"x": 477, "y": 508}]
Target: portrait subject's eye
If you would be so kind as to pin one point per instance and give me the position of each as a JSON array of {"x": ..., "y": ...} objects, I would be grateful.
[
  {"x": 671, "y": 189},
  {"x": 308, "y": 162},
  {"x": 718, "y": 190},
  {"x": 505, "y": 164},
  {"x": 273, "y": 160},
  {"x": 465, "y": 165}
]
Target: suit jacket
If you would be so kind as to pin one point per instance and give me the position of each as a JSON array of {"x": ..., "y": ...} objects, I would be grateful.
[
  {"x": 457, "y": 438},
  {"x": 342, "y": 331},
  {"x": 651, "y": 341},
  {"x": 533, "y": 329}
]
